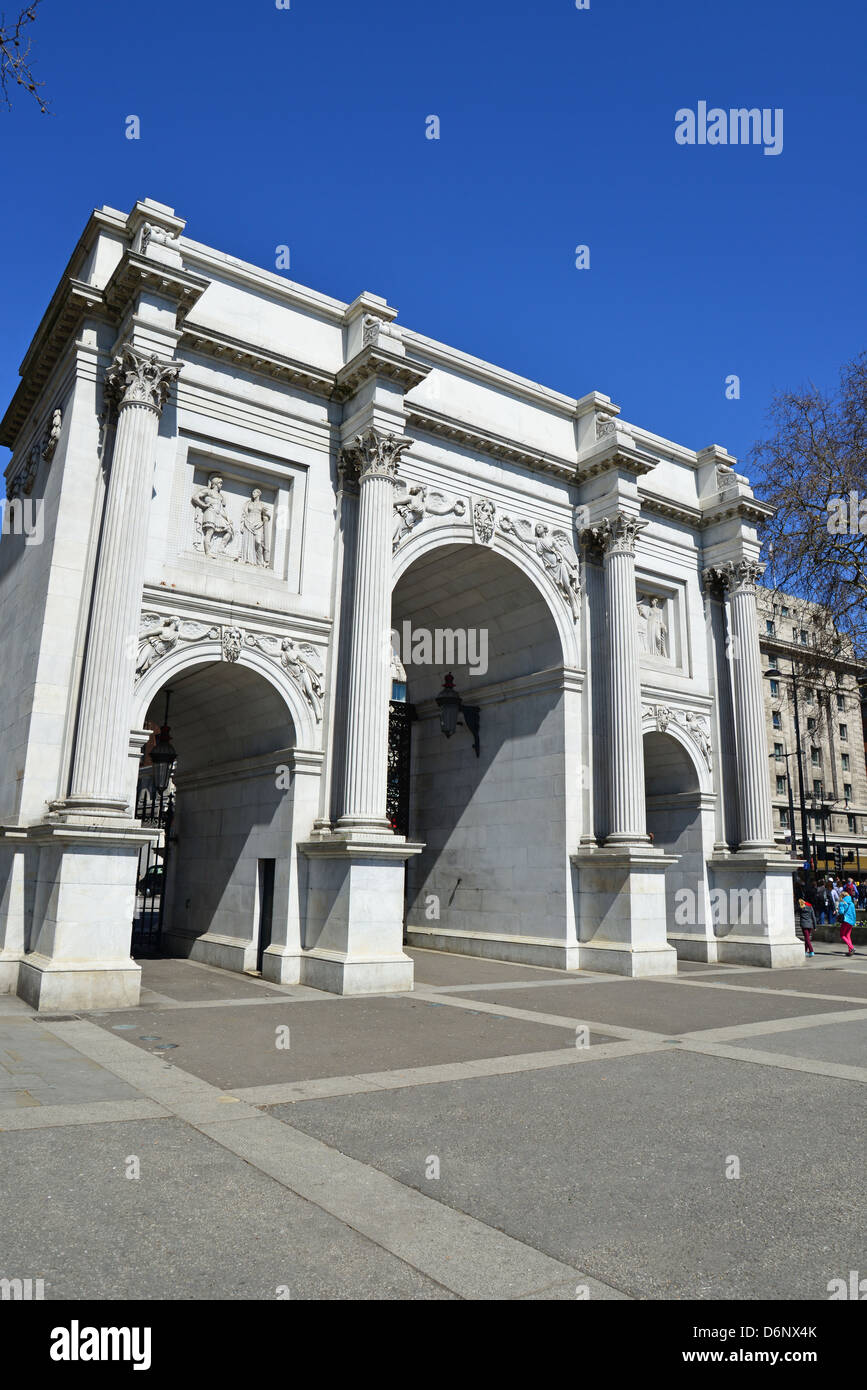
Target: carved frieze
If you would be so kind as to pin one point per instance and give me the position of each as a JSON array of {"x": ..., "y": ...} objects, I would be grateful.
[
  {"x": 695, "y": 724},
  {"x": 216, "y": 531},
  {"x": 555, "y": 553},
  {"x": 300, "y": 660},
  {"x": 414, "y": 503},
  {"x": 23, "y": 483},
  {"x": 158, "y": 636}
]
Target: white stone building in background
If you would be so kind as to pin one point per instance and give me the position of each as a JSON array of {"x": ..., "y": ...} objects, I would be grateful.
[
  {"x": 277, "y": 506},
  {"x": 806, "y": 661}
]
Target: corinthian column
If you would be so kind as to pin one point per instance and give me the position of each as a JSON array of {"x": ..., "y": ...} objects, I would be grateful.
[
  {"x": 754, "y": 793},
  {"x": 139, "y": 385},
  {"x": 375, "y": 458},
  {"x": 628, "y": 822}
]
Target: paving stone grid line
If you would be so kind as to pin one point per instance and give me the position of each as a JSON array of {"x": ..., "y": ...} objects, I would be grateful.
[{"x": 446, "y": 1246}]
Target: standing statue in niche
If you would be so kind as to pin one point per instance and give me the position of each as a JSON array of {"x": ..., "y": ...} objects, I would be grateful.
[
  {"x": 212, "y": 519},
  {"x": 652, "y": 631},
  {"x": 255, "y": 518}
]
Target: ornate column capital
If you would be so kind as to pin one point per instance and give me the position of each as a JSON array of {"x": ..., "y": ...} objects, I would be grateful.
[
  {"x": 615, "y": 534},
  {"x": 740, "y": 576},
  {"x": 373, "y": 454},
  {"x": 138, "y": 378}
]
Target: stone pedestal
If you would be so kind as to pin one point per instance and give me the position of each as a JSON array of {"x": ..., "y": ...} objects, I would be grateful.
[
  {"x": 355, "y": 908},
  {"x": 622, "y": 911},
  {"x": 752, "y": 895}
]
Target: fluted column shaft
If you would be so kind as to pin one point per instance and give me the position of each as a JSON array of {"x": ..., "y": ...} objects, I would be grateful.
[
  {"x": 754, "y": 793},
  {"x": 374, "y": 457},
  {"x": 139, "y": 384}
]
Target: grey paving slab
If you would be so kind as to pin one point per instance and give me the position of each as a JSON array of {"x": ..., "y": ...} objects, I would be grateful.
[
  {"x": 232, "y": 1047},
  {"x": 38, "y": 1068},
  {"x": 441, "y": 968},
  {"x": 185, "y": 980},
  {"x": 838, "y": 1042},
  {"x": 619, "y": 1168},
  {"x": 200, "y": 1223},
  {"x": 830, "y": 980},
  {"x": 669, "y": 1008}
]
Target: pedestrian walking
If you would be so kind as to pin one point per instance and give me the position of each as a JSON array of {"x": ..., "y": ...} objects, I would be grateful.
[
  {"x": 805, "y": 922},
  {"x": 846, "y": 918}
]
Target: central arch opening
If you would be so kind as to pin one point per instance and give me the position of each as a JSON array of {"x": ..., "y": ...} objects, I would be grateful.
[
  {"x": 228, "y": 863},
  {"x": 495, "y": 861}
]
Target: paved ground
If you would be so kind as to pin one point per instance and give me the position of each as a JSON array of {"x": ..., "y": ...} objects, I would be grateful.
[{"x": 503, "y": 1132}]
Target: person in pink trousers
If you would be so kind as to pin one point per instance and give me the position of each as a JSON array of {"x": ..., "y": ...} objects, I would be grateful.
[{"x": 846, "y": 918}]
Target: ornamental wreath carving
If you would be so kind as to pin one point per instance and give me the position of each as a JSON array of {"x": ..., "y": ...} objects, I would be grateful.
[{"x": 555, "y": 553}]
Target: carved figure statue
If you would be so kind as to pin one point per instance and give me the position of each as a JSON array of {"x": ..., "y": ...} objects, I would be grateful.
[
  {"x": 408, "y": 512},
  {"x": 561, "y": 563},
  {"x": 212, "y": 519},
  {"x": 652, "y": 631},
  {"x": 297, "y": 662},
  {"x": 255, "y": 517}
]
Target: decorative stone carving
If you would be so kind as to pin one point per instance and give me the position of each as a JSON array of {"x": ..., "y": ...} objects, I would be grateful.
[
  {"x": 696, "y": 725},
  {"x": 374, "y": 454},
  {"x": 416, "y": 502},
  {"x": 233, "y": 641},
  {"x": 556, "y": 555},
  {"x": 370, "y": 329},
  {"x": 652, "y": 630},
  {"x": 161, "y": 236},
  {"x": 484, "y": 517},
  {"x": 255, "y": 521},
  {"x": 214, "y": 528},
  {"x": 158, "y": 636},
  {"x": 134, "y": 378},
  {"x": 300, "y": 660},
  {"x": 53, "y": 435},
  {"x": 605, "y": 424},
  {"x": 741, "y": 576},
  {"x": 615, "y": 534}
]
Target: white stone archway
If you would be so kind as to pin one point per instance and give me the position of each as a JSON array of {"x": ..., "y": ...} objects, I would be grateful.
[{"x": 493, "y": 877}]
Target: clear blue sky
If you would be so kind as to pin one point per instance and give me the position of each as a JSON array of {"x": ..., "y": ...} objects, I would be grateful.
[{"x": 307, "y": 127}]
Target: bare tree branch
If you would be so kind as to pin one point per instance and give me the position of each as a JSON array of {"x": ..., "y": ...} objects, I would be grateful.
[{"x": 15, "y": 68}]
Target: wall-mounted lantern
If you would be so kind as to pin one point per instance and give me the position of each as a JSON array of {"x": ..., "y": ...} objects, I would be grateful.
[{"x": 451, "y": 705}]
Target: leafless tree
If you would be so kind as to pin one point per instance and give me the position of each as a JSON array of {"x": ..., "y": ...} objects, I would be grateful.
[
  {"x": 15, "y": 45},
  {"x": 813, "y": 469}
]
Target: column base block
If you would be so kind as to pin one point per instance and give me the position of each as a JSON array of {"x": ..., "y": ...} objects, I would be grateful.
[
  {"x": 344, "y": 974},
  {"x": 50, "y": 987},
  {"x": 621, "y": 910},
  {"x": 517, "y": 950},
  {"x": 753, "y": 910}
]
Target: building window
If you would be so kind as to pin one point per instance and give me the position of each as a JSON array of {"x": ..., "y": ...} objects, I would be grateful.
[
  {"x": 818, "y": 790},
  {"x": 776, "y": 720},
  {"x": 811, "y": 724},
  {"x": 784, "y": 817},
  {"x": 781, "y": 786},
  {"x": 770, "y": 627},
  {"x": 816, "y": 756},
  {"x": 841, "y": 703},
  {"x": 847, "y": 791},
  {"x": 845, "y": 761},
  {"x": 784, "y": 610},
  {"x": 778, "y": 750},
  {"x": 852, "y": 824},
  {"x": 775, "y": 690},
  {"x": 844, "y": 733},
  {"x": 805, "y": 637}
]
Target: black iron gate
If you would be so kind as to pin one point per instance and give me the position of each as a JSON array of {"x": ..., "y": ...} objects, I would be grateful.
[
  {"x": 155, "y": 812},
  {"x": 400, "y": 717}
]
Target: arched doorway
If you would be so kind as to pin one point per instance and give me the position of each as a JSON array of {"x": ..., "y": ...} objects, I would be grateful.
[
  {"x": 228, "y": 886},
  {"x": 680, "y": 819},
  {"x": 494, "y": 876}
]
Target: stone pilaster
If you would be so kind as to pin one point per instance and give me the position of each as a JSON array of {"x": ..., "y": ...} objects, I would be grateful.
[
  {"x": 139, "y": 385},
  {"x": 754, "y": 794},
  {"x": 375, "y": 457},
  {"x": 628, "y": 822}
]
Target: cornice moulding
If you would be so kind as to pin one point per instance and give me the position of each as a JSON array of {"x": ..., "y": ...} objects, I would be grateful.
[
  {"x": 135, "y": 273},
  {"x": 376, "y": 361},
  {"x": 486, "y": 442},
  {"x": 72, "y": 301},
  {"x": 209, "y": 343}
]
